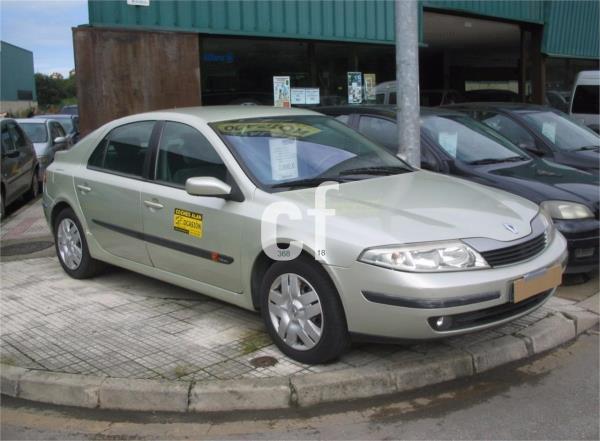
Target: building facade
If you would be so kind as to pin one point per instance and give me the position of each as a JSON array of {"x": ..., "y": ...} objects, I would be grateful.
[
  {"x": 17, "y": 82},
  {"x": 138, "y": 55}
]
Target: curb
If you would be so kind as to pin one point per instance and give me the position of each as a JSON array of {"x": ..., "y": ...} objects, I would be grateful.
[{"x": 294, "y": 391}]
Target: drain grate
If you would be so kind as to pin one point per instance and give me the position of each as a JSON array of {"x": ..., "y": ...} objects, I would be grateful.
[
  {"x": 25, "y": 248},
  {"x": 265, "y": 361}
]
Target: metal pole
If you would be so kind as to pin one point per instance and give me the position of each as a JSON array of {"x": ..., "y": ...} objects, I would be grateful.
[{"x": 407, "y": 81}]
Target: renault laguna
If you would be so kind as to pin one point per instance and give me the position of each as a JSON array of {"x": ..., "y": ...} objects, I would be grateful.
[{"x": 293, "y": 214}]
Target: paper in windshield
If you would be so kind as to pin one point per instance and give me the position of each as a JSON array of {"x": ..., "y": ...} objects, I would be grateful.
[
  {"x": 549, "y": 131},
  {"x": 448, "y": 141},
  {"x": 284, "y": 158}
]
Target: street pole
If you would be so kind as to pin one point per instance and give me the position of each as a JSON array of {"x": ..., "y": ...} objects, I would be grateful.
[{"x": 407, "y": 81}]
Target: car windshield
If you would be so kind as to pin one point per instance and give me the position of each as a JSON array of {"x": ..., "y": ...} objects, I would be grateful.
[
  {"x": 560, "y": 131},
  {"x": 305, "y": 151},
  {"x": 36, "y": 131},
  {"x": 469, "y": 141}
]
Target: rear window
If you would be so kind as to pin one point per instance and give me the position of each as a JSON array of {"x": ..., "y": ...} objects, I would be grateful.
[
  {"x": 36, "y": 132},
  {"x": 586, "y": 100}
]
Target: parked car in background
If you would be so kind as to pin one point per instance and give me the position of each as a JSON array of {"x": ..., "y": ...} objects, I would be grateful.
[
  {"x": 559, "y": 99},
  {"x": 440, "y": 97},
  {"x": 456, "y": 144},
  {"x": 69, "y": 122},
  {"x": 408, "y": 254},
  {"x": 543, "y": 131},
  {"x": 491, "y": 95},
  {"x": 20, "y": 169},
  {"x": 71, "y": 109},
  {"x": 585, "y": 99},
  {"x": 48, "y": 137}
]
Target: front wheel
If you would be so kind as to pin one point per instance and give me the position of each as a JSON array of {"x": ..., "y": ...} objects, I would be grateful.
[
  {"x": 71, "y": 247},
  {"x": 302, "y": 312}
]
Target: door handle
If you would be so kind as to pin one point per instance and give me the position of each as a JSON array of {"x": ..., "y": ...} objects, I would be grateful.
[
  {"x": 84, "y": 188},
  {"x": 152, "y": 204}
]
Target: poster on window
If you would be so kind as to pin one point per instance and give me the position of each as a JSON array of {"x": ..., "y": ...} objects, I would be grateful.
[
  {"x": 370, "y": 81},
  {"x": 313, "y": 96},
  {"x": 281, "y": 92},
  {"x": 355, "y": 88},
  {"x": 298, "y": 96}
]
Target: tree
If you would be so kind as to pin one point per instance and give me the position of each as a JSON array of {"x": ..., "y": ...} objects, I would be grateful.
[{"x": 52, "y": 91}]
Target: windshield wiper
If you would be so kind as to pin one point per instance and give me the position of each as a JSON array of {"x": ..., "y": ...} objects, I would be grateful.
[
  {"x": 588, "y": 147},
  {"x": 310, "y": 182},
  {"x": 379, "y": 170},
  {"x": 498, "y": 160}
]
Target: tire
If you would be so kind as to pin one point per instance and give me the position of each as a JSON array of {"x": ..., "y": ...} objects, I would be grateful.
[
  {"x": 71, "y": 247},
  {"x": 299, "y": 314},
  {"x": 34, "y": 190}
]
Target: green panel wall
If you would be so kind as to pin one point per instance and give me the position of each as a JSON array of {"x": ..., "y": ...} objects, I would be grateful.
[
  {"x": 16, "y": 71},
  {"x": 572, "y": 29}
]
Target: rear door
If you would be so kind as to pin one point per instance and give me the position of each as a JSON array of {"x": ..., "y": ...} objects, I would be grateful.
[
  {"x": 109, "y": 190},
  {"x": 193, "y": 236},
  {"x": 10, "y": 165}
]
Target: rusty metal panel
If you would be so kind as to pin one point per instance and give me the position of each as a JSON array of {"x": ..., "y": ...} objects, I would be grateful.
[{"x": 122, "y": 72}]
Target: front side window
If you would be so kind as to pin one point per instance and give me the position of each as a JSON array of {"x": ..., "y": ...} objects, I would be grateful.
[
  {"x": 7, "y": 144},
  {"x": 467, "y": 140},
  {"x": 380, "y": 130},
  {"x": 37, "y": 132},
  {"x": 560, "y": 131},
  {"x": 124, "y": 149},
  {"x": 18, "y": 137},
  {"x": 185, "y": 153},
  {"x": 67, "y": 124},
  {"x": 305, "y": 149}
]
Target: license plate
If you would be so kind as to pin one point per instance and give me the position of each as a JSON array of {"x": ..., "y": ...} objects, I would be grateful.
[{"x": 534, "y": 284}]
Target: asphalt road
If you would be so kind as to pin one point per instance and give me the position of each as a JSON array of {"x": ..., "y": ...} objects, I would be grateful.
[{"x": 555, "y": 396}]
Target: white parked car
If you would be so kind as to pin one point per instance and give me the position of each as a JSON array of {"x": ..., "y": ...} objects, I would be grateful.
[{"x": 585, "y": 99}]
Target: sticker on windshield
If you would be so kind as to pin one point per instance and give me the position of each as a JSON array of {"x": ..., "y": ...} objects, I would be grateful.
[
  {"x": 284, "y": 158},
  {"x": 549, "y": 131},
  {"x": 448, "y": 141},
  {"x": 275, "y": 128},
  {"x": 187, "y": 222}
]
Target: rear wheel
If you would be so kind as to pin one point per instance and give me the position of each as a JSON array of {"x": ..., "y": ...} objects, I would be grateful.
[
  {"x": 302, "y": 312},
  {"x": 71, "y": 247}
]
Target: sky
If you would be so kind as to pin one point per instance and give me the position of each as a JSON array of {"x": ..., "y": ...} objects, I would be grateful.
[{"x": 43, "y": 27}]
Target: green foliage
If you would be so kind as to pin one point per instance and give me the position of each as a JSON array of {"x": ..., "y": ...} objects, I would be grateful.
[{"x": 55, "y": 91}]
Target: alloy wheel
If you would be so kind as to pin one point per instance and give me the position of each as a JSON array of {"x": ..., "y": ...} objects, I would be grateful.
[
  {"x": 295, "y": 311},
  {"x": 70, "y": 246}
]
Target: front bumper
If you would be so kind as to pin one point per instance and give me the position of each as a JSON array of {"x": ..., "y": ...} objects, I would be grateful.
[
  {"x": 421, "y": 297},
  {"x": 583, "y": 237}
]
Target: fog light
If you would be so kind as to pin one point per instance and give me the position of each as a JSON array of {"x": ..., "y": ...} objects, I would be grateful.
[
  {"x": 442, "y": 323},
  {"x": 584, "y": 252}
]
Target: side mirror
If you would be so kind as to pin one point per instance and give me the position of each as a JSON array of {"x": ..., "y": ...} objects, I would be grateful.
[
  {"x": 11, "y": 154},
  {"x": 60, "y": 140},
  {"x": 207, "y": 186}
]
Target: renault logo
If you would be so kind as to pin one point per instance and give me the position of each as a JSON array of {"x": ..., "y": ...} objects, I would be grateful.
[{"x": 511, "y": 228}]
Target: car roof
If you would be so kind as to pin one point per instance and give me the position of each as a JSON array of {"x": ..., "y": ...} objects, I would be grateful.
[
  {"x": 382, "y": 109},
  {"x": 32, "y": 120},
  {"x": 498, "y": 105},
  {"x": 225, "y": 113},
  {"x": 55, "y": 116}
]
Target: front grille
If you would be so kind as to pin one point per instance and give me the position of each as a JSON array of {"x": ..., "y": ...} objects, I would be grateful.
[
  {"x": 493, "y": 314},
  {"x": 515, "y": 253}
]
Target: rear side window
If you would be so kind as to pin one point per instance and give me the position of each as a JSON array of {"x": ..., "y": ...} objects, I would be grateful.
[
  {"x": 185, "y": 153},
  {"x": 586, "y": 100},
  {"x": 124, "y": 149}
]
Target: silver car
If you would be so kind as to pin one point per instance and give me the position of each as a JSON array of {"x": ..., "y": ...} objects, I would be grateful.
[
  {"x": 48, "y": 137},
  {"x": 294, "y": 214}
]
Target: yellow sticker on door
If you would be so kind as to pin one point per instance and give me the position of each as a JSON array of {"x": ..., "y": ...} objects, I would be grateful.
[{"x": 187, "y": 222}]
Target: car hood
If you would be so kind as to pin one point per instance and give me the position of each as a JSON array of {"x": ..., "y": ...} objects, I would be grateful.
[
  {"x": 588, "y": 159},
  {"x": 540, "y": 180},
  {"x": 416, "y": 207}
]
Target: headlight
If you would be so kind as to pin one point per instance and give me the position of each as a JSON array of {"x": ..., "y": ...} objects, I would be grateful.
[
  {"x": 566, "y": 210},
  {"x": 426, "y": 257}
]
